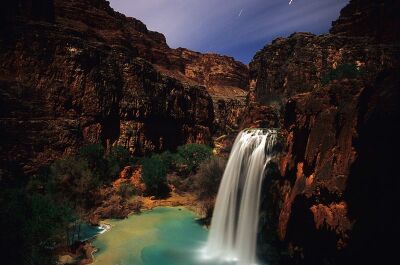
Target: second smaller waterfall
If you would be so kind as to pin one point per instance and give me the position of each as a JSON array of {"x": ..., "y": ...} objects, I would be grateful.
[{"x": 233, "y": 232}]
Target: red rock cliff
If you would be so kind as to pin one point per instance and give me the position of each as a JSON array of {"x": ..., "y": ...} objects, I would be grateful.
[
  {"x": 330, "y": 201},
  {"x": 77, "y": 72}
]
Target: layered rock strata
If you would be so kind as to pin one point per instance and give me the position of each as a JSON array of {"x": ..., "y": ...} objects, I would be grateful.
[
  {"x": 77, "y": 72},
  {"x": 338, "y": 95}
]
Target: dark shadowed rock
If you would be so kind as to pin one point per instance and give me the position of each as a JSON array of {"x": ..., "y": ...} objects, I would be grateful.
[
  {"x": 370, "y": 18},
  {"x": 330, "y": 189},
  {"x": 78, "y": 72}
]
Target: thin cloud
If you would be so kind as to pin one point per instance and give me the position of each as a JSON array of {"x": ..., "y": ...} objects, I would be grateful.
[{"x": 225, "y": 25}]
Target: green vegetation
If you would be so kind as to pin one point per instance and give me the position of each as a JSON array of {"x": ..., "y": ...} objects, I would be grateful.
[
  {"x": 118, "y": 158},
  {"x": 154, "y": 175},
  {"x": 93, "y": 154},
  {"x": 185, "y": 161},
  {"x": 340, "y": 72},
  {"x": 46, "y": 211},
  {"x": 168, "y": 159},
  {"x": 32, "y": 224},
  {"x": 190, "y": 156},
  {"x": 76, "y": 178},
  {"x": 73, "y": 179}
]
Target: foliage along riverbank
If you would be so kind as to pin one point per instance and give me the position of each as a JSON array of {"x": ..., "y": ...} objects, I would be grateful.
[{"x": 45, "y": 213}]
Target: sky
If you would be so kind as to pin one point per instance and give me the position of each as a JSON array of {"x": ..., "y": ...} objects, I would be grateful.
[{"x": 237, "y": 28}]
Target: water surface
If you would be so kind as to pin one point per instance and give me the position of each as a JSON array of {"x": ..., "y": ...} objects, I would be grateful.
[{"x": 163, "y": 236}]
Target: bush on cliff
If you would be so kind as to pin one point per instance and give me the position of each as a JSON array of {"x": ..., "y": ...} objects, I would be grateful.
[
  {"x": 190, "y": 156},
  {"x": 340, "y": 72},
  {"x": 154, "y": 174}
]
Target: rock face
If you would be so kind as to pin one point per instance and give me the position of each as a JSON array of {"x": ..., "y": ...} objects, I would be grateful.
[
  {"x": 77, "y": 72},
  {"x": 299, "y": 63},
  {"x": 368, "y": 18},
  {"x": 226, "y": 81},
  {"x": 330, "y": 200}
]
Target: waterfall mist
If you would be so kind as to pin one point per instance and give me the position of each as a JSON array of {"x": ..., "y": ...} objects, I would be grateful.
[{"x": 233, "y": 232}]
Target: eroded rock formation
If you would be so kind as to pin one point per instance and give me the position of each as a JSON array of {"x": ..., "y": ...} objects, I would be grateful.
[
  {"x": 78, "y": 72},
  {"x": 324, "y": 205}
]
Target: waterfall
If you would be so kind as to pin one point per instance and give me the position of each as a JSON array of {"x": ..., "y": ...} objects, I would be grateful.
[{"x": 233, "y": 232}]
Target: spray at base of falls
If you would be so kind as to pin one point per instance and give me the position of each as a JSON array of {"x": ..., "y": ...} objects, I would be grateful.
[{"x": 233, "y": 232}]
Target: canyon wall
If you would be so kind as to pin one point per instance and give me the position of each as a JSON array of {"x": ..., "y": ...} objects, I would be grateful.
[
  {"x": 331, "y": 197},
  {"x": 77, "y": 72}
]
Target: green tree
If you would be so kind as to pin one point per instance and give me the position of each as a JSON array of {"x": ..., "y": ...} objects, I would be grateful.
[
  {"x": 94, "y": 155},
  {"x": 73, "y": 179},
  {"x": 190, "y": 156},
  {"x": 45, "y": 228},
  {"x": 118, "y": 158},
  {"x": 340, "y": 72},
  {"x": 33, "y": 224},
  {"x": 168, "y": 159},
  {"x": 154, "y": 175}
]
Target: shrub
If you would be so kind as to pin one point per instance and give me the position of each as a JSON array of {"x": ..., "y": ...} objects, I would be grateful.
[
  {"x": 168, "y": 159},
  {"x": 154, "y": 175},
  {"x": 118, "y": 158},
  {"x": 208, "y": 177},
  {"x": 190, "y": 156},
  {"x": 94, "y": 155},
  {"x": 342, "y": 71},
  {"x": 48, "y": 219},
  {"x": 74, "y": 179}
]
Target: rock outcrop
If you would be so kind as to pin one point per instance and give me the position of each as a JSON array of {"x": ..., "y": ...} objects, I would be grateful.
[
  {"x": 366, "y": 18},
  {"x": 77, "y": 72},
  {"x": 336, "y": 183},
  {"x": 226, "y": 81}
]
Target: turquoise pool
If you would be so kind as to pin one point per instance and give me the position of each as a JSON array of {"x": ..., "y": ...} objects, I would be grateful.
[{"x": 163, "y": 236}]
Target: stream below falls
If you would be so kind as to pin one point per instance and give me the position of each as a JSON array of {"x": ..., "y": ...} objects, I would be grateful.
[{"x": 162, "y": 236}]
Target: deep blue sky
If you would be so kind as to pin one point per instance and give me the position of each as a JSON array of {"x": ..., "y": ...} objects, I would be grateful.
[{"x": 236, "y": 28}]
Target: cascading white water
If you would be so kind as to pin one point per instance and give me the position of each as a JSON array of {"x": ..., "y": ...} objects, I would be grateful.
[{"x": 233, "y": 232}]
